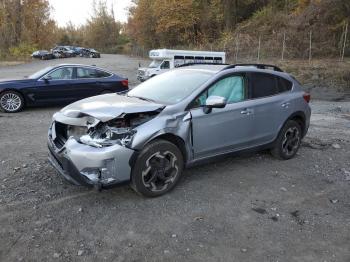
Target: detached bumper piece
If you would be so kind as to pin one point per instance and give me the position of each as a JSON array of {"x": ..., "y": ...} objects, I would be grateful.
[{"x": 89, "y": 166}]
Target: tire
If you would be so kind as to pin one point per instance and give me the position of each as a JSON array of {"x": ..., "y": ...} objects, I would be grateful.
[
  {"x": 288, "y": 141},
  {"x": 11, "y": 102},
  {"x": 157, "y": 169}
]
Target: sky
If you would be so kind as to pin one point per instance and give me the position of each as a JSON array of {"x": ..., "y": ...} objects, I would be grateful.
[{"x": 78, "y": 11}]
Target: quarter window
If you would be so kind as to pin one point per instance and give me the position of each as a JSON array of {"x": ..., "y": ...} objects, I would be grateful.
[
  {"x": 100, "y": 74},
  {"x": 62, "y": 73},
  {"x": 86, "y": 73},
  {"x": 283, "y": 85}
]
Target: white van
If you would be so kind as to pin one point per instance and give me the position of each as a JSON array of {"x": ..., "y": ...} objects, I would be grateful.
[{"x": 166, "y": 59}]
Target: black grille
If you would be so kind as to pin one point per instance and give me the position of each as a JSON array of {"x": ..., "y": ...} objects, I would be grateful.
[{"x": 61, "y": 134}]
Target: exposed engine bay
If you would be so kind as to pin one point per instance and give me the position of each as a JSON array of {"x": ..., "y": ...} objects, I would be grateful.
[{"x": 116, "y": 131}]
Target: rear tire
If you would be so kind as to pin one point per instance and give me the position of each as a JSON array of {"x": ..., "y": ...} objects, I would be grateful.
[
  {"x": 288, "y": 141},
  {"x": 11, "y": 102},
  {"x": 158, "y": 168}
]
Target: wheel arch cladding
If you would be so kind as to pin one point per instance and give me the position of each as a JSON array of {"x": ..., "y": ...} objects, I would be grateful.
[
  {"x": 300, "y": 118},
  {"x": 174, "y": 139}
]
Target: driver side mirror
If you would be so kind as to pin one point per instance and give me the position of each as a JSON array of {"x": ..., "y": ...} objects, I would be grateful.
[
  {"x": 214, "y": 102},
  {"x": 47, "y": 78}
]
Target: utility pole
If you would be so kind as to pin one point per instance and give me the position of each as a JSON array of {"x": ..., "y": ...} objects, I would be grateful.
[
  {"x": 344, "y": 43},
  {"x": 236, "y": 53},
  {"x": 310, "y": 47},
  {"x": 283, "y": 44},
  {"x": 259, "y": 48}
]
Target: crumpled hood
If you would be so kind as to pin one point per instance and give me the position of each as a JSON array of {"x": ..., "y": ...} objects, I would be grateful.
[{"x": 108, "y": 106}]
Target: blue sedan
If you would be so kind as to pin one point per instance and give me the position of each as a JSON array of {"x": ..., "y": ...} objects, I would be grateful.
[{"x": 60, "y": 84}]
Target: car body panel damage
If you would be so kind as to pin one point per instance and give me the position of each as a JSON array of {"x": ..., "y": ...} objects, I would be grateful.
[
  {"x": 109, "y": 106},
  {"x": 98, "y": 146}
]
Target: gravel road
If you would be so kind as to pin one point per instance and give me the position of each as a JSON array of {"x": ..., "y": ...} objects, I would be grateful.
[{"x": 250, "y": 207}]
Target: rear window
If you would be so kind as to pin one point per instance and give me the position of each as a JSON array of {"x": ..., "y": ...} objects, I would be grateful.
[
  {"x": 263, "y": 85},
  {"x": 268, "y": 85}
]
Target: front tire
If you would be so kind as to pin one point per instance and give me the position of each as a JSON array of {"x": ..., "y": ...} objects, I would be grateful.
[
  {"x": 158, "y": 168},
  {"x": 11, "y": 102},
  {"x": 288, "y": 141}
]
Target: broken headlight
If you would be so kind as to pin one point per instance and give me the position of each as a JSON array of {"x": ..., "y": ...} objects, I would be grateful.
[{"x": 106, "y": 135}]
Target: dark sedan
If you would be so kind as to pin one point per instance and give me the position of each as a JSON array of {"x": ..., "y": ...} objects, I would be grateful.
[
  {"x": 58, "y": 85},
  {"x": 43, "y": 55}
]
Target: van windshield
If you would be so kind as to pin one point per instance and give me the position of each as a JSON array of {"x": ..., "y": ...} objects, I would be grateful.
[{"x": 155, "y": 64}]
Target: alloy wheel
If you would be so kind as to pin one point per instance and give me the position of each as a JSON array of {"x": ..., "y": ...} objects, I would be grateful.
[
  {"x": 11, "y": 102},
  {"x": 160, "y": 172},
  {"x": 291, "y": 141}
]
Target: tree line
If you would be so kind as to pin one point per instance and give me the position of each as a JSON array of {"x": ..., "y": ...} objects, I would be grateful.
[
  {"x": 26, "y": 25},
  {"x": 266, "y": 27},
  {"x": 242, "y": 26}
]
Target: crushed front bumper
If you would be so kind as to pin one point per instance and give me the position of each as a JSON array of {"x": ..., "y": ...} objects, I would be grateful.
[{"x": 86, "y": 165}]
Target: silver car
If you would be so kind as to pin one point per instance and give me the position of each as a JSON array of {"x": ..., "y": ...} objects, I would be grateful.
[{"x": 180, "y": 118}]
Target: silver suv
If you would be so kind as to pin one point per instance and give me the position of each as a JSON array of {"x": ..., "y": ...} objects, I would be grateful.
[{"x": 180, "y": 118}]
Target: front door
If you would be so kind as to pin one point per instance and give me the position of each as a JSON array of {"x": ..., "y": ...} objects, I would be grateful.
[
  {"x": 55, "y": 89},
  {"x": 223, "y": 129}
]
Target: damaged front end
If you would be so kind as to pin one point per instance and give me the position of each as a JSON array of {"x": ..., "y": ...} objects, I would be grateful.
[{"x": 89, "y": 151}]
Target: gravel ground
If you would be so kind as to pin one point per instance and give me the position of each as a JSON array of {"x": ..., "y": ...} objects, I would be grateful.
[{"x": 244, "y": 208}]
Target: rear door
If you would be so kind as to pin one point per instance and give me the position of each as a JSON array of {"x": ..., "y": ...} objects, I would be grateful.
[
  {"x": 85, "y": 82},
  {"x": 271, "y": 99}
]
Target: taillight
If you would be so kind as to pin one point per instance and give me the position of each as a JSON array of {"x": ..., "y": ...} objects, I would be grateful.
[
  {"x": 125, "y": 82},
  {"x": 307, "y": 97}
]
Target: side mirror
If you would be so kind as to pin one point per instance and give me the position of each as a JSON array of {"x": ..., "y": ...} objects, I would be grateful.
[
  {"x": 47, "y": 78},
  {"x": 214, "y": 102}
]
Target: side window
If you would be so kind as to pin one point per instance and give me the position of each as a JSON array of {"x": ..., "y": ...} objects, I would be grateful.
[
  {"x": 101, "y": 74},
  {"x": 86, "y": 72},
  {"x": 62, "y": 73},
  {"x": 283, "y": 85},
  {"x": 232, "y": 88},
  {"x": 165, "y": 65},
  {"x": 262, "y": 85}
]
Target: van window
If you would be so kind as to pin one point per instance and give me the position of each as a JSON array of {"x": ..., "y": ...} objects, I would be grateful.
[
  {"x": 199, "y": 59},
  {"x": 209, "y": 59},
  {"x": 179, "y": 60},
  {"x": 165, "y": 65},
  {"x": 218, "y": 60},
  {"x": 189, "y": 59},
  {"x": 263, "y": 85}
]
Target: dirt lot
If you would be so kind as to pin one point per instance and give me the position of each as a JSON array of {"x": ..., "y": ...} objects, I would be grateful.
[{"x": 247, "y": 208}]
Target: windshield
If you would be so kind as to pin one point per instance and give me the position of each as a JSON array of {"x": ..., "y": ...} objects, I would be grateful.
[
  {"x": 170, "y": 87},
  {"x": 40, "y": 73},
  {"x": 155, "y": 64}
]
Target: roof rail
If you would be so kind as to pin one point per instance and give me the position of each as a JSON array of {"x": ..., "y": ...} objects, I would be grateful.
[
  {"x": 259, "y": 66},
  {"x": 208, "y": 63}
]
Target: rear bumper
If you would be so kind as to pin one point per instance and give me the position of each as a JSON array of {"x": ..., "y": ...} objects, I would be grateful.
[
  {"x": 88, "y": 166},
  {"x": 142, "y": 78}
]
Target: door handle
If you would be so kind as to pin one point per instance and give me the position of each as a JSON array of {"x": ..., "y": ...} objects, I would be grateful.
[
  {"x": 246, "y": 111},
  {"x": 285, "y": 105}
]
